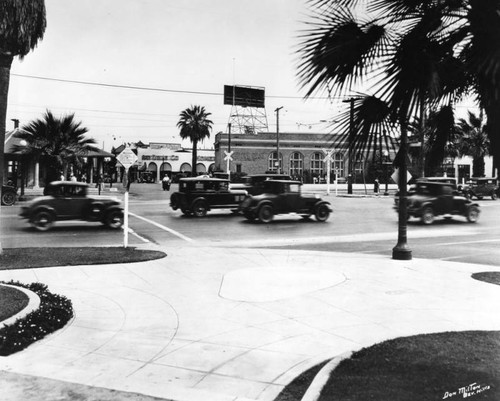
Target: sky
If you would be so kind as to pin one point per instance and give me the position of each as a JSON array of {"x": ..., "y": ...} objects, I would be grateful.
[
  {"x": 181, "y": 53},
  {"x": 136, "y": 64}
]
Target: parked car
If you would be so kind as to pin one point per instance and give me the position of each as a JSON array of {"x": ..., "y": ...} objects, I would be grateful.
[
  {"x": 282, "y": 197},
  {"x": 147, "y": 177},
  {"x": 9, "y": 195},
  {"x": 432, "y": 199},
  {"x": 481, "y": 187},
  {"x": 67, "y": 200},
  {"x": 254, "y": 184},
  {"x": 198, "y": 195}
]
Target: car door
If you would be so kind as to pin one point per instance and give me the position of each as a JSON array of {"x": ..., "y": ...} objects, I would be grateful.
[{"x": 293, "y": 198}]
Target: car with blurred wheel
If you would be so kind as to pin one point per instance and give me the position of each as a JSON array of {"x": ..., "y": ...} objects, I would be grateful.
[
  {"x": 9, "y": 195},
  {"x": 434, "y": 199},
  {"x": 481, "y": 187},
  {"x": 68, "y": 200},
  {"x": 198, "y": 195},
  {"x": 284, "y": 197}
]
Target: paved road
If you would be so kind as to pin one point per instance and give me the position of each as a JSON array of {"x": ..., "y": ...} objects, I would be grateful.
[{"x": 357, "y": 225}]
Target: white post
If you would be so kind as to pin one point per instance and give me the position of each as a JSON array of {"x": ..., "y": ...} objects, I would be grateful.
[{"x": 125, "y": 213}]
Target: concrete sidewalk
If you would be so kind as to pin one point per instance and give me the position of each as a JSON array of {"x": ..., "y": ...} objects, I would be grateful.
[{"x": 239, "y": 324}]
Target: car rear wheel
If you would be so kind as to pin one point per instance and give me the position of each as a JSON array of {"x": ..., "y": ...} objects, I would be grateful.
[
  {"x": 266, "y": 214},
  {"x": 114, "y": 219},
  {"x": 428, "y": 216},
  {"x": 200, "y": 208},
  {"x": 42, "y": 220},
  {"x": 8, "y": 198},
  {"x": 322, "y": 213},
  {"x": 472, "y": 214}
]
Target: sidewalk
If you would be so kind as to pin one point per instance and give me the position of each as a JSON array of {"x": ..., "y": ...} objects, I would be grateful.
[{"x": 240, "y": 324}]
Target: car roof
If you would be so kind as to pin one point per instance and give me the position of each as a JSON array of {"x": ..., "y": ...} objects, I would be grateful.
[
  {"x": 285, "y": 181},
  {"x": 203, "y": 178},
  {"x": 437, "y": 179},
  {"x": 69, "y": 183},
  {"x": 269, "y": 175}
]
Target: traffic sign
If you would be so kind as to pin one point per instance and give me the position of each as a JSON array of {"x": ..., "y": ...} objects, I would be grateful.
[
  {"x": 127, "y": 158},
  {"x": 228, "y": 155}
]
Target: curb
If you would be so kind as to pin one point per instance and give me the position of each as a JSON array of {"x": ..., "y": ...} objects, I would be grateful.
[{"x": 319, "y": 381}]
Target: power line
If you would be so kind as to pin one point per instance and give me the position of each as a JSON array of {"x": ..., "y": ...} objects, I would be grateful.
[{"x": 145, "y": 88}]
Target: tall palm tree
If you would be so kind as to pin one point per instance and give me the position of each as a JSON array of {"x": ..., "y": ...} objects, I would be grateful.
[
  {"x": 195, "y": 126},
  {"x": 473, "y": 141},
  {"x": 60, "y": 141},
  {"x": 415, "y": 54},
  {"x": 22, "y": 25}
]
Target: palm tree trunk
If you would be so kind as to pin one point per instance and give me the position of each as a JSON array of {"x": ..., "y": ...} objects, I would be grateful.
[
  {"x": 5, "y": 63},
  {"x": 194, "y": 158}
]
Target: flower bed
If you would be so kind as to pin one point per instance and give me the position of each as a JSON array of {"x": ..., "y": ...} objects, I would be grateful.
[{"x": 54, "y": 312}]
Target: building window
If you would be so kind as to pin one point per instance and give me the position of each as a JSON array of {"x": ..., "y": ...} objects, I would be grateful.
[
  {"x": 273, "y": 162},
  {"x": 317, "y": 164},
  {"x": 338, "y": 164},
  {"x": 296, "y": 165}
]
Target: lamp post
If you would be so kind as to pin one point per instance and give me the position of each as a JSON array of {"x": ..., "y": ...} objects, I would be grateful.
[
  {"x": 278, "y": 137},
  {"x": 351, "y": 137},
  {"x": 386, "y": 168}
]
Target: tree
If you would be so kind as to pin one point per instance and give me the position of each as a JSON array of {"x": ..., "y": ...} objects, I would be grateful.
[
  {"x": 60, "y": 141},
  {"x": 195, "y": 126},
  {"x": 474, "y": 141},
  {"x": 22, "y": 25}
]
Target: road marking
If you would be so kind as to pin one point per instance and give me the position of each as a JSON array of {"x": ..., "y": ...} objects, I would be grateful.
[
  {"x": 177, "y": 234},
  {"x": 137, "y": 235},
  {"x": 469, "y": 242}
]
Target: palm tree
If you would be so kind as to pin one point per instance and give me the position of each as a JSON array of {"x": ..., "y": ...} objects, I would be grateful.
[
  {"x": 22, "y": 25},
  {"x": 415, "y": 54},
  {"x": 195, "y": 126},
  {"x": 60, "y": 141},
  {"x": 473, "y": 141}
]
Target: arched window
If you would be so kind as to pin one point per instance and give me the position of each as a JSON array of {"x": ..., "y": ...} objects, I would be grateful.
[
  {"x": 296, "y": 165},
  {"x": 185, "y": 168},
  {"x": 317, "y": 164},
  {"x": 200, "y": 168},
  {"x": 338, "y": 164},
  {"x": 272, "y": 164}
]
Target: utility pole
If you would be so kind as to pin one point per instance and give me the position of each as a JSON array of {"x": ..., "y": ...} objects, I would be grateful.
[
  {"x": 278, "y": 137},
  {"x": 351, "y": 137}
]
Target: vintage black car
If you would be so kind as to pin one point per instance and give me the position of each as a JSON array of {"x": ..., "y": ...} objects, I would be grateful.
[
  {"x": 67, "y": 200},
  {"x": 432, "y": 199},
  {"x": 282, "y": 197},
  {"x": 481, "y": 187},
  {"x": 198, "y": 195},
  {"x": 9, "y": 195}
]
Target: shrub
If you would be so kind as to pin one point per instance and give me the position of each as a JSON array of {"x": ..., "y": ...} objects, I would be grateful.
[{"x": 54, "y": 312}]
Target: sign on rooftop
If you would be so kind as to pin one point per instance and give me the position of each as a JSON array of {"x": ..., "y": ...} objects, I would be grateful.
[{"x": 127, "y": 158}]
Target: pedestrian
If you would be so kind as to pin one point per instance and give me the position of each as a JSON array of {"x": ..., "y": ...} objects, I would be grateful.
[
  {"x": 72, "y": 178},
  {"x": 166, "y": 182},
  {"x": 376, "y": 186}
]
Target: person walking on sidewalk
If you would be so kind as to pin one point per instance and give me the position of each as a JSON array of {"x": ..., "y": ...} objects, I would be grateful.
[{"x": 166, "y": 182}]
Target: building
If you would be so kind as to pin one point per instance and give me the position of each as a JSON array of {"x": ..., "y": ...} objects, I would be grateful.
[{"x": 170, "y": 158}]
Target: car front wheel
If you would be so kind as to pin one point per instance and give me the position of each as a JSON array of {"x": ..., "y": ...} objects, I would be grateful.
[
  {"x": 42, "y": 220},
  {"x": 428, "y": 216},
  {"x": 266, "y": 214},
  {"x": 494, "y": 196},
  {"x": 8, "y": 198},
  {"x": 322, "y": 213},
  {"x": 200, "y": 208},
  {"x": 114, "y": 219},
  {"x": 472, "y": 214}
]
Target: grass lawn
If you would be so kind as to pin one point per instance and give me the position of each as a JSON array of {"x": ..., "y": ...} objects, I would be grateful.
[
  {"x": 27, "y": 258},
  {"x": 12, "y": 301}
]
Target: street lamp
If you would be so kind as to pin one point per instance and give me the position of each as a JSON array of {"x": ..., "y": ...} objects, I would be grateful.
[
  {"x": 278, "y": 136},
  {"x": 351, "y": 137}
]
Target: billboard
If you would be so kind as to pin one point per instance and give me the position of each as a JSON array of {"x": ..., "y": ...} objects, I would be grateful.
[{"x": 245, "y": 96}]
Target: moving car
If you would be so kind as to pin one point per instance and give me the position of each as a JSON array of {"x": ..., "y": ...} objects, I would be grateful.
[
  {"x": 198, "y": 195},
  {"x": 9, "y": 195},
  {"x": 282, "y": 197},
  {"x": 432, "y": 199},
  {"x": 67, "y": 200},
  {"x": 481, "y": 187}
]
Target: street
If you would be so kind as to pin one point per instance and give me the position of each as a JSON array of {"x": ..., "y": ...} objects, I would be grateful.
[{"x": 358, "y": 224}]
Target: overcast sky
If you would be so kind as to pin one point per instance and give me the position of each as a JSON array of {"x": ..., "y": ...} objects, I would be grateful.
[
  {"x": 187, "y": 46},
  {"x": 172, "y": 46}
]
